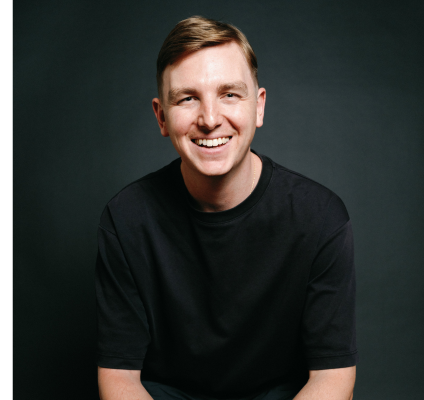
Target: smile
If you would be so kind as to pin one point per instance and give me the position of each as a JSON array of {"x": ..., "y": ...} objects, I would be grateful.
[{"x": 212, "y": 142}]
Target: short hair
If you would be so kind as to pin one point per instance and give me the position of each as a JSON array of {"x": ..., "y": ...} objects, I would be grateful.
[{"x": 195, "y": 33}]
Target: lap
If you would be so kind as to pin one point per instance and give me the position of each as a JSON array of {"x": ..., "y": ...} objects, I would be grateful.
[{"x": 160, "y": 391}]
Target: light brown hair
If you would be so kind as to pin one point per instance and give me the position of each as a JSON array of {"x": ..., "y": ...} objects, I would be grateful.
[{"x": 195, "y": 33}]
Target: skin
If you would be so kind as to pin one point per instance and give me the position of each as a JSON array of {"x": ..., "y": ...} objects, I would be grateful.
[
  {"x": 329, "y": 384},
  {"x": 121, "y": 384},
  {"x": 210, "y": 94}
]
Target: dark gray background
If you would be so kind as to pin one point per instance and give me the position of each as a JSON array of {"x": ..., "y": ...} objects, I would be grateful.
[{"x": 345, "y": 85}]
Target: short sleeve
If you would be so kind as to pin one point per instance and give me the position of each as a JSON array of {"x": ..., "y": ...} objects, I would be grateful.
[
  {"x": 123, "y": 331},
  {"x": 328, "y": 324}
]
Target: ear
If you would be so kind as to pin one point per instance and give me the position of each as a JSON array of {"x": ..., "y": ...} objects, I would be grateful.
[
  {"x": 260, "y": 107},
  {"x": 160, "y": 116}
]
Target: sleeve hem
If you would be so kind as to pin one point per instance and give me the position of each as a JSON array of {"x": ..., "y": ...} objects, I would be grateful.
[
  {"x": 331, "y": 362},
  {"x": 119, "y": 362}
]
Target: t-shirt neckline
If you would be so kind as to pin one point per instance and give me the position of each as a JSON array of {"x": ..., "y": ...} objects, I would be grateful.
[{"x": 232, "y": 213}]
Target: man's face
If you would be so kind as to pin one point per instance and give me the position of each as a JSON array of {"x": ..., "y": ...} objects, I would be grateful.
[{"x": 211, "y": 95}]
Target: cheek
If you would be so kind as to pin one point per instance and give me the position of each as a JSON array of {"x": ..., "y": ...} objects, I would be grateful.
[
  {"x": 179, "y": 122},
  {"x": 241, "y": 117}
]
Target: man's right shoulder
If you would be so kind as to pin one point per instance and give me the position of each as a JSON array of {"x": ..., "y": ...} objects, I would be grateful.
[
  {"x": 147, "y": 184},
  {"x": 142, "y": 195}
]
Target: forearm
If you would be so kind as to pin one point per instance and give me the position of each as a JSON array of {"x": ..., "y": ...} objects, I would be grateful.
[
  {"x": 115, "y": 384},
  {"x": 331, "y": 384}
]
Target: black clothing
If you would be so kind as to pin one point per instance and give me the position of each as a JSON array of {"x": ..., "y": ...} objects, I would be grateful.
[
  {"x": 230, "y": 303},
  {"x": 159, "y": 391}
]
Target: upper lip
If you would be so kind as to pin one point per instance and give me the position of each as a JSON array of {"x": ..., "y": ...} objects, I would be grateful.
[{"x": 211, "y": 138}]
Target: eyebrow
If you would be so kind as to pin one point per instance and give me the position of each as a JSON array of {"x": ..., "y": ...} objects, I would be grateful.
[
  {"x": 174, "y": 94},
  {"x": 239, "y": 85}
]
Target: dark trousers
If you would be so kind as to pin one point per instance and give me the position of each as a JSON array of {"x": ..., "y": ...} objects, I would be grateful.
[{"x": 164, "y": 392}]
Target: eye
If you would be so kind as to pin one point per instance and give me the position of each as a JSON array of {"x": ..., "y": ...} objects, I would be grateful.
[
  {"x": 230, "y": 94},
  {"x": 185, "y": 100}
]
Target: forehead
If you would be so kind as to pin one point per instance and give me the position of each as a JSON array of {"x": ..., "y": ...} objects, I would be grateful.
[{"x": 208, "y": 67}]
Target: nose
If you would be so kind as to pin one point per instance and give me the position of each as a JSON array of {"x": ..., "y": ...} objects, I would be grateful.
[{"x": 209, "y": 115}]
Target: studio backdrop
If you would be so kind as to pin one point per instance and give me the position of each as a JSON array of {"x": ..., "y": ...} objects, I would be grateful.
[{"x": 345, "y": 99}]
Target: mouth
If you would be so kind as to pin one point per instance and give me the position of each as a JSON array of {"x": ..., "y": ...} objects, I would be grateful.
[{"x": 212, "y": 142}]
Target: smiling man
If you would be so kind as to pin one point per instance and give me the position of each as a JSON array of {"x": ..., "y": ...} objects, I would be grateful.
[{"x": 223, "y": 275}]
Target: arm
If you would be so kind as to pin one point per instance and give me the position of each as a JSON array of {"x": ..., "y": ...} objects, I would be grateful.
[
  {"x": 123, "y": 331},
  {"x": 121, "y": 384},
  {"x": 329, "y": 384},
  {"x": 328, "y": 329}
]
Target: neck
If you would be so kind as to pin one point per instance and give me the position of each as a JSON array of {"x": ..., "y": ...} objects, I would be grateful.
[{"x": 220, "y": 193}]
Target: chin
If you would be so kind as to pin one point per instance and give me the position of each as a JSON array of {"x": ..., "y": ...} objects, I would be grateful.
[{"x": 212, "y": 169}]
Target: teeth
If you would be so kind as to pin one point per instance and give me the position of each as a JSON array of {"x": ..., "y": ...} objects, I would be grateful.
[{"x": 211, "y": 142}]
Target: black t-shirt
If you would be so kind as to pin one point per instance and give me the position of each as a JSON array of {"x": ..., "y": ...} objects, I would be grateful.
[{"x": 230, "y": 303}]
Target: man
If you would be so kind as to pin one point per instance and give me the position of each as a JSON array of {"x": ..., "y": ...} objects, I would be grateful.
[{"x": 222, "y": 275}]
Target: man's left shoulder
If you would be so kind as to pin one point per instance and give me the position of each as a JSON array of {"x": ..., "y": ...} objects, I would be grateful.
[{"x": 306, "y": 195}]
